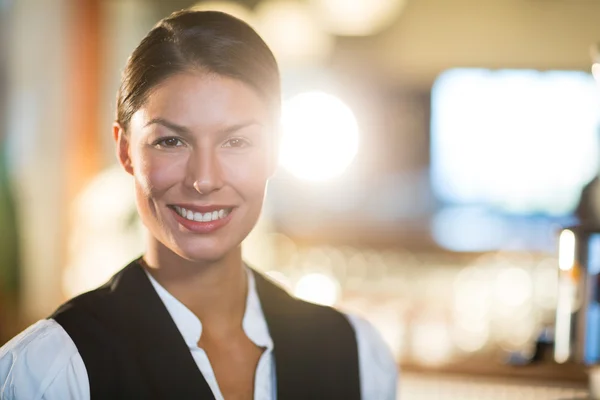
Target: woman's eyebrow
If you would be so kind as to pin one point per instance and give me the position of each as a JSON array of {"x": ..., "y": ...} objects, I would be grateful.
[
  {"x": 182, "y": 130},
  {"x": 241, "y": 125}
]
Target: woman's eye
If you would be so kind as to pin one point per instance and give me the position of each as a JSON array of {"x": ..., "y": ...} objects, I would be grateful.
[
  {"x": 169, "y": 142},
  {"x": 236, "y": 142}
]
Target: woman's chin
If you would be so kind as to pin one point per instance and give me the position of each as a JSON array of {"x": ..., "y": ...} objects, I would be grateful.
[
  {"x": 202, "y": 258},
  {"x": 202, "y": 255},
  {"x": 203, "y": 249}
]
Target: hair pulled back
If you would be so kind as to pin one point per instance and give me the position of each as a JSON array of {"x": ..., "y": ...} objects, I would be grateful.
[{"x": 208, "y": 41}]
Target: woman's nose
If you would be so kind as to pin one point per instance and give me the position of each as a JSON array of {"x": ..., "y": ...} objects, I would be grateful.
[{"x": 205, "y": 171}]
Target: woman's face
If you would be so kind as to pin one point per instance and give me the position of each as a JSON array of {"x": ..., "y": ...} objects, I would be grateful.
[{"x": 200, "y": 152}]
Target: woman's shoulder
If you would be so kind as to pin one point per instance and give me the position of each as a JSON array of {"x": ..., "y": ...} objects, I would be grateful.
[
  {"x": 42, "y": 362},
  {"x": 369, "y": 338},
  {"x": 378, "y": 368}
]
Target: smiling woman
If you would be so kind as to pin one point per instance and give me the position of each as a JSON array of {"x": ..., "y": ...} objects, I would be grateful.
[
  {"x": 197, "y": 118},
  {"x": 200, "y": 143}
]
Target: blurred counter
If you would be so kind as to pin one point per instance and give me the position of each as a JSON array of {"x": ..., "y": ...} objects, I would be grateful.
[{"x": 421, "y": 386}]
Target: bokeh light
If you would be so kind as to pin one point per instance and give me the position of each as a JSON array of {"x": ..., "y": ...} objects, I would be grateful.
[
  {"x": 566, "y": 250},
  {"x": 513, "y": 287},
  {"x": 320, "y": 136},
  {"x": 292, "y": 33},
  {"x": 471, "y": 338},
  {"x": 318, "y": 288},
  {"x": 357, "y": 17},
  {"x": 471, "y": 308}
]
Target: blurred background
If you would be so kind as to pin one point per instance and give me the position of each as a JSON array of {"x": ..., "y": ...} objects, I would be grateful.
[{"x": 432, "y": 152}]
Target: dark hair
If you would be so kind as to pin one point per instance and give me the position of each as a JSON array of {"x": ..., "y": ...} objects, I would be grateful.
[{"x": 209, "y": 41}]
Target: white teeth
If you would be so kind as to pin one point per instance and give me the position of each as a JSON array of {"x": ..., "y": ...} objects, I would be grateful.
[{"x": 200, "y": 217}]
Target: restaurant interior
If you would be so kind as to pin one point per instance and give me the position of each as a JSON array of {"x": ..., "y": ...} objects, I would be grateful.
[{"x": 438, "y": 175}]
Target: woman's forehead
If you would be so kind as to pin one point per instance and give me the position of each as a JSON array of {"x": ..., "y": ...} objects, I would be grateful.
[{"x": 199, "y": 99}]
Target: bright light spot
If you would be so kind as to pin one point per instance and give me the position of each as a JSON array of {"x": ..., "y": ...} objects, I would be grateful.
[
  {"x": 320, "y": 136},
  {"x": 566, "y": 250},
  {"x": 518, "y": 141},
  {"x": 318, "y": 288},
  {"x": 229, "y": 7},
  {"x": 357, "y": 17},
  {"x": 291, "y": 32},
  {"x": 513, "y": 287},
  {"x": 567, "y": 292}
]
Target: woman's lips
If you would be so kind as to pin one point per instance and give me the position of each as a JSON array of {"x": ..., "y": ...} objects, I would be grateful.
[{"x": 202, "y": 219}]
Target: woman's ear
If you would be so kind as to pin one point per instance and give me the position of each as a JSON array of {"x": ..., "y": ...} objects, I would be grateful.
[{"x": 122, "y": 148}]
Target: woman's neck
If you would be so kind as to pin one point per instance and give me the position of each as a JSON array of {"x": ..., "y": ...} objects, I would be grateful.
[{"x": 214, "y": 291}]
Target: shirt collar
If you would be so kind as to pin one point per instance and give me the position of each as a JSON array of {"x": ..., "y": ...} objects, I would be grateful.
[{"x": 190, "y": 326}]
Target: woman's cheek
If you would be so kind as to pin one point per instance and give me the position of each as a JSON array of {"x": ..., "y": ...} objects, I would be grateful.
[
  {"x": 159, "y": 172},
  {"x": 249, "y": 172}
]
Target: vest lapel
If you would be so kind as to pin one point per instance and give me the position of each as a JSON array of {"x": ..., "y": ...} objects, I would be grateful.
[
  {"x": 162, "y": 352},
  {"x": 315, "y": 348},
  {"x": 131, "y": 345}
]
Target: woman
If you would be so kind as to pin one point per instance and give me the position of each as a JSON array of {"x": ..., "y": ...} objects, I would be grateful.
[{"x": 197, "y": 118}]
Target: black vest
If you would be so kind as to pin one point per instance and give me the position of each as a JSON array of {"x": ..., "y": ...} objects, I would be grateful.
[{"x": 132, "y": 349}]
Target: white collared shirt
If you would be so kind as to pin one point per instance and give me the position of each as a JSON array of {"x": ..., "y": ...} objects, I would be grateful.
[{"x": 43, "y": 363}]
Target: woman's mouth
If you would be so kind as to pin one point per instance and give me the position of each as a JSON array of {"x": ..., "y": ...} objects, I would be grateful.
[
  {"x": 202, "y": 216},
  {"x": 202, "y": 219}
]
